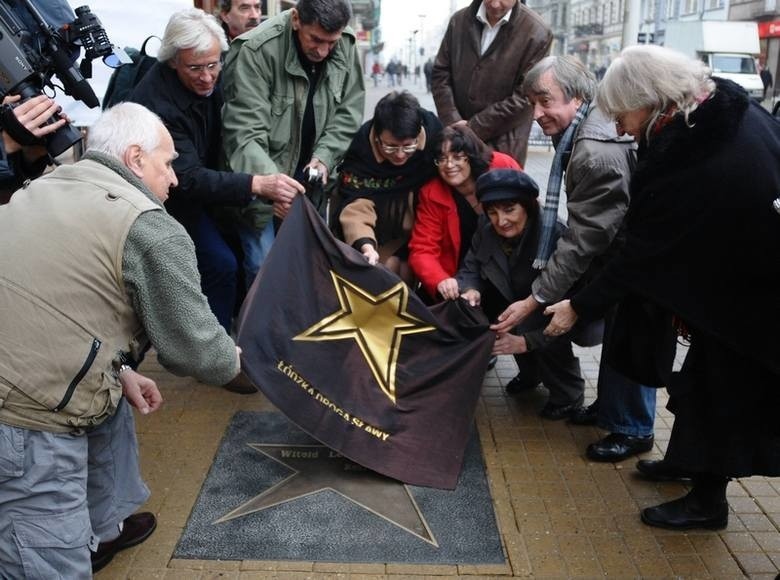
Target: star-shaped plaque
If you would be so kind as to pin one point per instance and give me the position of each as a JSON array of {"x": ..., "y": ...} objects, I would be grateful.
[
  {"x": 317, "y": 468},
  {"x": 378, "y": 324}
]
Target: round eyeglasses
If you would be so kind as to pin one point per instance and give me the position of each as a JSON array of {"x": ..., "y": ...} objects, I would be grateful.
[
  {"x": 393, "y": 149},
  {"x": 197, "y": 69},
  {"x": 454, "y": 158}
]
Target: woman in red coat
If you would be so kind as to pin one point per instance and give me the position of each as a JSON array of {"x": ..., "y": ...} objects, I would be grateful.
[{"x": 448, "y": 211}]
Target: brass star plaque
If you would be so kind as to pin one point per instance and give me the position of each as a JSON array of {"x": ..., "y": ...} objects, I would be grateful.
[
  {"x": 377, "y": 323},
  {"x": 317, "y": 468}
]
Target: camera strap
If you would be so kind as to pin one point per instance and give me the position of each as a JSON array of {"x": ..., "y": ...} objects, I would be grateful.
[{"x": 15, "y": 129}]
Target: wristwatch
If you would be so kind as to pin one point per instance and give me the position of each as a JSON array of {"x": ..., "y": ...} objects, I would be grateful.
[{"x": 122, "y": 368}]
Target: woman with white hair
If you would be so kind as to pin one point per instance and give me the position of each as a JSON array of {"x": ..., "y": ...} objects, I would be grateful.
[{"x": 703, "y": 246}]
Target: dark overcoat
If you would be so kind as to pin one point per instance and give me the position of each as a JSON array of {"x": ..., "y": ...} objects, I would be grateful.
[
  {"x": 703, "y": 243},
  {"x": 195, "y": 125},
  {"x": 485, "y": 89}
]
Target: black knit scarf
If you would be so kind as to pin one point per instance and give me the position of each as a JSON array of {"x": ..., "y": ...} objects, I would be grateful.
[{"x": 387, "y": 185}]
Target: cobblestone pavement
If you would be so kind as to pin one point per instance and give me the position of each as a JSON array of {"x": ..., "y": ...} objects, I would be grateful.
[{"x": 560, "y": 515}]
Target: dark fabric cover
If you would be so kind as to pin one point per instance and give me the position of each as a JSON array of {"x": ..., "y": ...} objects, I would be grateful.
[{"x": 328, "y": 388}]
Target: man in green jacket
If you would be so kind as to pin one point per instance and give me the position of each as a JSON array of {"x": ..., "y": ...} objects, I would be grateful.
[{"x": 294, "y": 96}]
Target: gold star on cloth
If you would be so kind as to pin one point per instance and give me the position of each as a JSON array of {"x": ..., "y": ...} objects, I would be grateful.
[
  {"x": 378, "y": 324},
  {"x": 350, "y": 354}
]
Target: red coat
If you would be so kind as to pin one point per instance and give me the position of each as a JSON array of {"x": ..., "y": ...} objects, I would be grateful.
[{"x": 435, "y": 244}]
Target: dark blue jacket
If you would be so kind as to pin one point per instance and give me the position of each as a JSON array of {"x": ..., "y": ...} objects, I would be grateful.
[{"x": 195, "y": 124}]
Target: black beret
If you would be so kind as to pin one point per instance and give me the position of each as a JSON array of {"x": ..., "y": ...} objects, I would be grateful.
[{"x": 505, "y": 185}]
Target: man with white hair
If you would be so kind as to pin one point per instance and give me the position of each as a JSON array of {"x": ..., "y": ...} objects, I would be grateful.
[
  {"x": 98, "y": 272},
  {"x": 184, "y": 90}
]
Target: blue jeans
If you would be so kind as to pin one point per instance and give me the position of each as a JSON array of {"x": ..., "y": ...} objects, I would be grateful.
[
  {"x": 624, "y": 406},
  {"x": 256, "y": 247},
  {"x": 218, "y": 269}
]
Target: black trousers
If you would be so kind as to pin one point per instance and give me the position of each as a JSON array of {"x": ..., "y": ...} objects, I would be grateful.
[{"x": 554, "y": 364}]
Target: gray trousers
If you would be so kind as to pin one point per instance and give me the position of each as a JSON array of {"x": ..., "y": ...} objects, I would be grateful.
[{"x": 61, "y": 494}]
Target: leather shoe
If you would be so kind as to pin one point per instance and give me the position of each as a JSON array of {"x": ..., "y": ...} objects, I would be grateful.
[
  {"x": 136, "y": 529},
  {"x": 520, "y": 385},
  {"x": 555, "y": 412},
  {"x": 687, "y": 513},
  {"x": 585, "y": 415},
  {"x": 617, "y": 446},
  {"x": 659, "y": 470}
]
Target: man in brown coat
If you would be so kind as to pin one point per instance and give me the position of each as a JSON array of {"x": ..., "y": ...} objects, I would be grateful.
[{"x": 482, "y": 60}]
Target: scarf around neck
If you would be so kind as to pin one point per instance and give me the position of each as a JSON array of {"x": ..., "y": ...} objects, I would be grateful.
[{"x": 549, "y": 216}]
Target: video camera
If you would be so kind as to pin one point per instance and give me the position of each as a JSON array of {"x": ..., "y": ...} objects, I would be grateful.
[{"x": 32, "y": 51}]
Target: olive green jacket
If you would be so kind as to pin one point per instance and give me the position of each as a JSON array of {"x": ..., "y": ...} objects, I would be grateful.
[{"x": 265, "y": 89}]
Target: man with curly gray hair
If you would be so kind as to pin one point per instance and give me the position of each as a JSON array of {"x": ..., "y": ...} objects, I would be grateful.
[{"x": 595, "y": 164}]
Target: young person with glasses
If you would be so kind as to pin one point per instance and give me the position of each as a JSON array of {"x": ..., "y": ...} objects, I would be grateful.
[{"x": 389, "y": 159}]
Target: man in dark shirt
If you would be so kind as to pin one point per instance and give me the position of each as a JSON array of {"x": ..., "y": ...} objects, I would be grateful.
[{"x": 184, "y": 90}]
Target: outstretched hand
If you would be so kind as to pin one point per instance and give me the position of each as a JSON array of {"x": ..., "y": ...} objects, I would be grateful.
[
  {"x": 509, "y": 344},
  {"x": 514, "y": 314},
  {"x": 563, "y": 318},
  {"x": 448, "y": 289},
  {"x": 472, "y": 296},
  {"x": 370, "y": 254}
]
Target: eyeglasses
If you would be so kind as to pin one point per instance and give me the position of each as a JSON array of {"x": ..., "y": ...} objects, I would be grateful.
[
  {"x": 393, "y": 149},
  {"x": 455, "y": 159},
  {"x": 197, "y": 69}
]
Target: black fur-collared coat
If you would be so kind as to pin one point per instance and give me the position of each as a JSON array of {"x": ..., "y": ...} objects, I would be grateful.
[{"x": 703, "y": 244}]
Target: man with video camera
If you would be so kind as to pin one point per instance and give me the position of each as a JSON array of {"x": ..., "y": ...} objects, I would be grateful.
[
  {"x": 37, "y": 42},
  {"x": 18, "y": 162}
]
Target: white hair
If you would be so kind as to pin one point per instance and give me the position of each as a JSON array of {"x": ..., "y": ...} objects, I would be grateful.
[
  {"x": 121, "y": 127},
  {"x": 656, "y": 78},
  {"x": 191, "y": 28}
]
